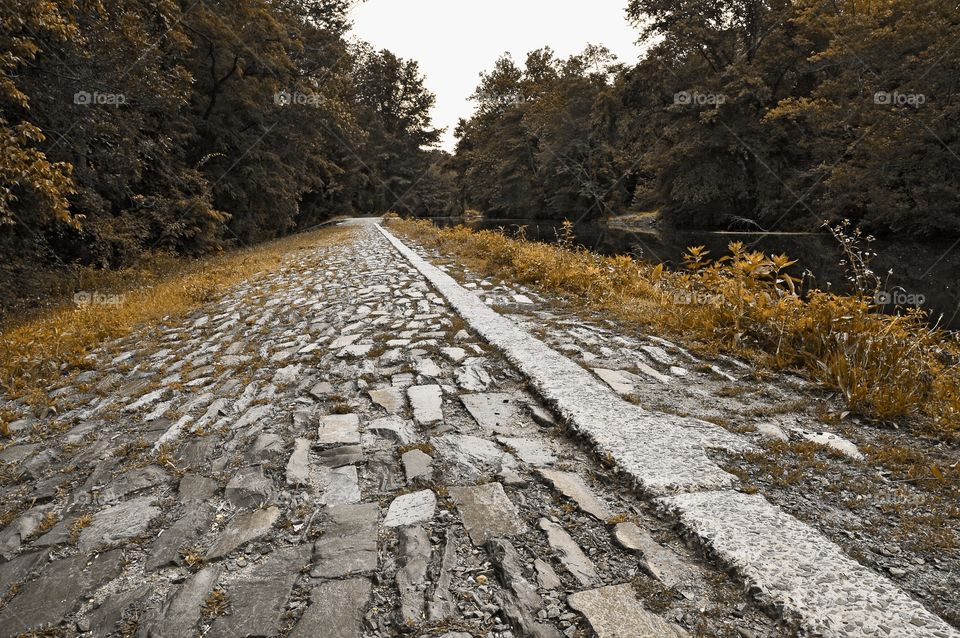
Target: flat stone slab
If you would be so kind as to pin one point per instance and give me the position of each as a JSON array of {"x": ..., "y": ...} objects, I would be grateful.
[
  {"x": 321, "y": 390},
  {"x": 472, "y": 376},
  {"x": 509, "y": 568},
  {"x": 298, "y": 466},
  {"x": 390, "y": 399},
  {"x": 455, "y": 355},
  {"x": 794, "y": 567},
  {"x": 339, "y": 429},
  {"x": 546, "y": 577},
  {"x": 487, "y": 512},
  {"x": 530, "y": 451},
  {"x": 569, "y": 553},
  {"x": 166, "y": 549},
  {"x": 658, "y": 355},
  {"x": 356, "y": 350},
  {"x": 258, "y": 600},
  {"x": 106, "y": 619},
  {"x": 615, "y": 612},
  {"x": 118, "y": 523},
  {"x": 243, "y": 529},
  {"x": 652, "y": 373},
  {"x": 288, "y": 375},
  {"x": 267, "y": 447},
  {"x": 181, "y": 612},
  {"x": 17, "y": 569},
  {"x": 428, "y": 368},
  {"x": 134, "y": 481},
  {"x": 658, "y": 561},
  {"x": 772, "y": 432},
  {"x": 344, "y": 341},
  {"x": 340, "y": 485},
  {"x": 574, "y": 488},
  {"x": 620, "y": 381},
  {"x": 14, "y": 534},
  {"x": 411, "y": 578},
  {"x": 834, "y": 442},
  {"x": 17, "y": 453},
  {"x": 194, "y": 487},
  {"x": 411, "y": 509},
  {"x": 443, "y": 603},
  {"x": 349, "y": 543},
  {"x": 416, "y": 465},
  {"x": 57, "y": 591},
  {"x": 427, "y": 402},
  {"x": 249, "y": 488},
  {"x": 470, "y": 452},
  {"x": 339, "y": 456},
  {"x": 393, "y": 428},
  {"x": 493, "y": 411},
  {"x": 336, "y": 610}
]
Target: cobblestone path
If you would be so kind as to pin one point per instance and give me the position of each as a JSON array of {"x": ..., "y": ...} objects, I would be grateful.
[{"x": 330, "y": 451}]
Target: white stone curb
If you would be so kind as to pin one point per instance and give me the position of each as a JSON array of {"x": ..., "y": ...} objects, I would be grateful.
[
  {"x": 664, "y": 453},
  {"x": 794, "y": 568}
]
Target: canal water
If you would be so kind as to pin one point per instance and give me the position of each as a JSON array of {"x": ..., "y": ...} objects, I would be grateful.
[{"x": 924, "y": 274}]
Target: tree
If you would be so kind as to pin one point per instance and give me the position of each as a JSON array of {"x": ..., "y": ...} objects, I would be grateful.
[
  {"x": 27, "y": 176},
  {"x": 129, "y": 126},
  {"x": 540, "y": 143}
]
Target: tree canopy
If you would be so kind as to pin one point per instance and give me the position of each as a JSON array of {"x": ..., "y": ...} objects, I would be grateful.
[
  {"x": 741, "y": 114},
  {"x": 128, "y": 126}
]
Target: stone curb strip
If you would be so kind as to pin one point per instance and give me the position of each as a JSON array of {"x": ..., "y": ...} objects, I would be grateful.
[{"x": 792, "y": 567}]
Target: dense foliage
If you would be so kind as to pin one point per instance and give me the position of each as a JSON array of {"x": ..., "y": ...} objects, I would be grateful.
[
  {"x": 772, "y": 114},
  {"x": 130, "y": 125}
]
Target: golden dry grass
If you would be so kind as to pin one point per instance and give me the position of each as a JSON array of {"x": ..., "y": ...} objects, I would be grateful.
[
  {"x": 36, "y": 350},
  {"x": 885, "y": 367}
]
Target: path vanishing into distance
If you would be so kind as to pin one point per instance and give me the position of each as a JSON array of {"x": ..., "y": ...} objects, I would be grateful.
[{"x": 357, "y": 445}]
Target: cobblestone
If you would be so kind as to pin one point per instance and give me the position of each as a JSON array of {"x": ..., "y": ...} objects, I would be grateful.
[{"x": 330, "y": 450}]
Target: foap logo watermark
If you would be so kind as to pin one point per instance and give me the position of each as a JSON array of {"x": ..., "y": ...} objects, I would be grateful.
[
  {"x": 696, "y": 298},
  {"x": 695, "y": 98},
  {"x": 898, "y": 297},
  {"x": 895, "y": 98},
  {"x": 100, "y": 498},
  {"x": 297, "y": 98},
  {"x": 84, "y": 298},
  {"x": 86, "y": 98}
]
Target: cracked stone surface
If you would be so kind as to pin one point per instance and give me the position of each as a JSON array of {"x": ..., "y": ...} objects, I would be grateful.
[
  {"x": 410, "y": 509},
  {"x": 329, "y": 449},
  {"x": 655, "y": 559},
  {"x": 487, "y": 512},
  {"x": 118, "y": 523},
  {"x": 574, "y": 488},
  {"x": 830, "y": 593},
  {"x": 615, "y": 612},
  {"x": 336, "y": 610},
  {"x": 427, "y": 403},
  {"x": 569, "y": 553}
]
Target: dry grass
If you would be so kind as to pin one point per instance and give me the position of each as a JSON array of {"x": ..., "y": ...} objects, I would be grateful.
[
  {"x": 78, "y": 526},
  {"x": 36, "y": 350},
  {"x": 885, "y": 367},
  {"x": 216, "y": 604},
  {"x": 192, "y": 557}
]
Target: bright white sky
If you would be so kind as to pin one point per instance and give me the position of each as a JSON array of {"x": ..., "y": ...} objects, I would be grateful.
[{"x": 454, "y": 40}]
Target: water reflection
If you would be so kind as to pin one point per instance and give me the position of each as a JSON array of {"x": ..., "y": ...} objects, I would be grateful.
[{"x": 926, "y": 272}]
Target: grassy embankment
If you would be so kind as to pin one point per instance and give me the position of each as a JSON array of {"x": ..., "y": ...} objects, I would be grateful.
[
  {"x": 886, "y": 367},
  {"x": 36, "y": 350}
]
